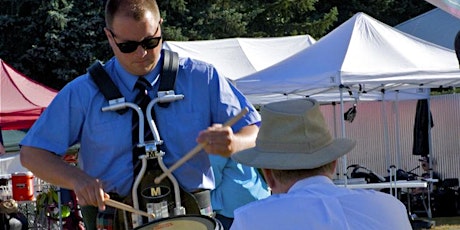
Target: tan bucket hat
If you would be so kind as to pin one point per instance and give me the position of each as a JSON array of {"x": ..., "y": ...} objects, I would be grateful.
[{"x": 293, "y": 135}]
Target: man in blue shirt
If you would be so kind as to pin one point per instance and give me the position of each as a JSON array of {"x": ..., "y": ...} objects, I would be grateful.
[
  {"x": 236, "y": 185},
  {"x": 133, "y": 29}
]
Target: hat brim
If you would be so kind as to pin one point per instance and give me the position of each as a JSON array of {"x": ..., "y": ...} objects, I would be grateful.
[{"x": 292, "y": 161}]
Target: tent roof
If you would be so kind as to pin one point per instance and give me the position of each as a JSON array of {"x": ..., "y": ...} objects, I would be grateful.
[
  {"x": 21, "y": 99},
  {"x": 435, "y": 26},
  {"x": 362, "y": 54},
  {"x": 239, "y": 57},
  {"x": 450, "y": 6}
]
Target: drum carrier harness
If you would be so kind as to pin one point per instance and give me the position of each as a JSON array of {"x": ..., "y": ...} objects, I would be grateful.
[
  {"x": 193, "y": 202},
  {"x": 113, "y": 95}
]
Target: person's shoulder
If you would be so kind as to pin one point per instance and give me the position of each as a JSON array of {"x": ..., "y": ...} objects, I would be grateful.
[
  {"x": 251, "y": 207},
  {"x": 81, "y": 88},
  {"x": 80, "y": 83},
  {"x": 198, "y": 69},
  {"x": 366, "y": 193},
  {"x": 375, "y": 196},
  {"x": 273, "y": 201},
  {"x": 85, "y": 80},
  {"x": 188, "y": 63}
]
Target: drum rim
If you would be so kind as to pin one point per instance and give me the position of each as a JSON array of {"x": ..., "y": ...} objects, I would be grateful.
[{"x": 209, "y": 218}]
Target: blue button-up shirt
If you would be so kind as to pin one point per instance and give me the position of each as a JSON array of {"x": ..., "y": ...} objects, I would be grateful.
[
  {"x": 75, "y": 116},
  {"x": 236, "y": 185},
  {"x": 316, "y": 203}
]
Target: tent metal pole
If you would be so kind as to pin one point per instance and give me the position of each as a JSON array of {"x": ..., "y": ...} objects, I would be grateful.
[
  {"x": 385, "y": 131},
  {"x": 430, "y": 163},
  {"x": 342, "y": 121},
  {"x": 386, "y": 139},
  {"x": 334, "y": 119},
  {"x": 398, "y": 134}
]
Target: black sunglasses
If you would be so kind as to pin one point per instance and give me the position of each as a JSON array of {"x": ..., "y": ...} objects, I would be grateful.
[{"x": 131, "y": 46}]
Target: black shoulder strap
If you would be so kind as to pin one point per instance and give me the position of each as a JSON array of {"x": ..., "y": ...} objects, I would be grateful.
[
  {"x": 105, "y": 84},
  {"x": 169, "y": 73},
  {"x": 111, "y": 91}
]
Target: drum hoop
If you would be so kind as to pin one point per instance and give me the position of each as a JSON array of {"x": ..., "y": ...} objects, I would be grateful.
[{"x": 211, "y": 220}]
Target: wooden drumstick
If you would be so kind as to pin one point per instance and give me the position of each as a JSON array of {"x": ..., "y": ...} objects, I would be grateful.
[
  {"x": 198, "y": 148},
  {"x": 128, "y": 208}
]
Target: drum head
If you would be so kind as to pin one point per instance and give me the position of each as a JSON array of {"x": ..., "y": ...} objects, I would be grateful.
[{"x": 186, "y": 222}]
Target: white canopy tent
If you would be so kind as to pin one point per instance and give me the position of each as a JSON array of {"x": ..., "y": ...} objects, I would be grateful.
[
  {"x": 239, "y": 57},
  {"x": 450, "y": 6},
  {"x": 436, "y": 26},
  {"x": 361, "y": 55}
]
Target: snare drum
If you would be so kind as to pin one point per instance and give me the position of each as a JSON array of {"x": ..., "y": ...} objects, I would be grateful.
[{"x": 186, "y": 222}]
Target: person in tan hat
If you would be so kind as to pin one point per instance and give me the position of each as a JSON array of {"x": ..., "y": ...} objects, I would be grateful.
[{"x": 298, "y": 157}]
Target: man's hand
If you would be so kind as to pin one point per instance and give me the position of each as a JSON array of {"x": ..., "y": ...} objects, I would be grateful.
[
  {"x": 89, "y": 192},
  {"x": 221, "y": 140},
  {"x": 218, "y": 139}
]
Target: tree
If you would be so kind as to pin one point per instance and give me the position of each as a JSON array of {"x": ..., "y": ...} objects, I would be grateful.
[
  {"x": 59, "y": 46},
  {"x": 64, "y": 45},
  {"x": 292, "y": 17},
  {"x": 55, "y": 41},
  {"x": 203, "y": 20},
  {"x": 390, "y": 12}
]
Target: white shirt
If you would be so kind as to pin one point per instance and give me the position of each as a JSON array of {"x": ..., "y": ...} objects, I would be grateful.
[{"x": 316, "y": 203}]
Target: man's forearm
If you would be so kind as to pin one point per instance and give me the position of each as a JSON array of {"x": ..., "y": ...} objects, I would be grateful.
[{"x": 49, "y": 167}]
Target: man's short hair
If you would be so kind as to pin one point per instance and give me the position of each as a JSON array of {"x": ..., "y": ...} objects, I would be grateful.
[{"x": 131, "y": 8}]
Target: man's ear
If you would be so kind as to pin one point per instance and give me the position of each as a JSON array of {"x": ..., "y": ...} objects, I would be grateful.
[
  {"x": 109, "y": 36},
  {"x": 334, "y": 169},
  {"x": 268, "y": 175},
  {"x": 107, "y": 33}
]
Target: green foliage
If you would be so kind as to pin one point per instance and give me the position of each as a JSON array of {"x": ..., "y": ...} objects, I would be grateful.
[
  {"x": 47, "y": 202},
  {"x": 59, "y": 40},
  {"x": 390, "y": 12},
  {"x": 293, "y": 17},
  {"x": 55, "y": 41},
  {"x": 441, "y": 91}
]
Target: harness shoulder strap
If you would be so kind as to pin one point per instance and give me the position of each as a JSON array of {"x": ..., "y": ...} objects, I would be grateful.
[
  {"x": 106, "y": 85},
  {"x": 111, "y": 91},
  {"x": 169, "y": 73}
]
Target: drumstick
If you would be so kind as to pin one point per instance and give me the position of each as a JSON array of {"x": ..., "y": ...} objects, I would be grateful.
[
  {"x": 198, "y": 148},
  {"x": 128, "y": 208}
]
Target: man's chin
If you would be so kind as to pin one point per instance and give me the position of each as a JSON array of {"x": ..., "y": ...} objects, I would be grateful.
[{"x": 141, "y": 70}]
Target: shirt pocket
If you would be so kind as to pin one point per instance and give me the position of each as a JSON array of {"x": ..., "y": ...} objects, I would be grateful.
[{"x": 110, "y": 132}]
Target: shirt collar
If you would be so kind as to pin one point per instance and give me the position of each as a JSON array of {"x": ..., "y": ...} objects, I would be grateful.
[
  {"x": 310, "y": 181},
  {"x": 129, "y": 80}
]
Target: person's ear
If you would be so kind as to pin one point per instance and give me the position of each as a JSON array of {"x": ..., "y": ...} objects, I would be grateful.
[
  {"x": 268, "y": 175},
  {"x": 107, "y": 34},
  {"x": 109, "y": 37}
]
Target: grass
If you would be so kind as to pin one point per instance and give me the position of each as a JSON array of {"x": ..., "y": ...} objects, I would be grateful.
[
  {"x": 446, "y": 227},
  {"x": 446, "y": 223}
]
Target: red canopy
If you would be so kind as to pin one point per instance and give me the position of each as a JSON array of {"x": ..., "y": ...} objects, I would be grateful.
[{"x": 22, "y": 100}]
